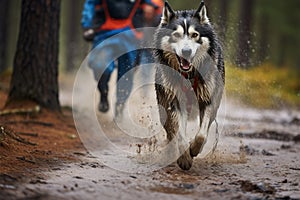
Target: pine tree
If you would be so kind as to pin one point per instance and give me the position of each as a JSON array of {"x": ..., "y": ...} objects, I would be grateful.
[{"x": 35, "y": 70}]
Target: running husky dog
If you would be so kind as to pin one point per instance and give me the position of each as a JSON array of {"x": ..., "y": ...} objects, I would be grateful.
[{"x": 187, "y": 43}]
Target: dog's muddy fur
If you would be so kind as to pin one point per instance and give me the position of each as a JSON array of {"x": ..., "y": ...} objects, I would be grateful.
[{"x": 187, "y": 43}]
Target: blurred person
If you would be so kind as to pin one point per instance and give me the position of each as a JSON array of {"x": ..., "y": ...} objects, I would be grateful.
[
  {"x": 102, "y": 19},
  {"x": 152, "y": 16}
]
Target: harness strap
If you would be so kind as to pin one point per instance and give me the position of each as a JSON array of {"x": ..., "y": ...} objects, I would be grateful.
[
  {"x": 195, "y": 83},
  {"x": 111, "y": 23},
  {"x": 185, "y": 89}
]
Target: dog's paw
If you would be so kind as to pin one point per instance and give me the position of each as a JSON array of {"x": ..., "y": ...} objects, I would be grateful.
[
  {"x": 185, "y": 161},
  {"x": 196, "y": 146}
]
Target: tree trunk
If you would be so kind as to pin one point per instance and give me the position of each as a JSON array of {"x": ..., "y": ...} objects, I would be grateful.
[
  {"x": 210, "y": 10},
  {"x": 4, "y": 5},
  {"x": 244, "y": 33},
  {"x": 208, "y": 3},
  {"x": 35, "y": 70},
  {"x": 72, "y": 38},
  {"x": 282, "y": 53},
  {"x": 264, "y": 38},
  {"x": 223, "y": 16}
]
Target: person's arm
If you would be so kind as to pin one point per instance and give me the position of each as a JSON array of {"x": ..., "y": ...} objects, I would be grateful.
[{"x": 88, "y": 14}]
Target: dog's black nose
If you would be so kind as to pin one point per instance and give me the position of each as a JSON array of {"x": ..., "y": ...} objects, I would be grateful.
[{"x": 186, "y": 53}]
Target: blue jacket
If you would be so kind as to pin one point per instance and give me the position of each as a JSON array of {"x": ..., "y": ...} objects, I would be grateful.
[
  {"x": 107, "y": 43},
  {"x": 95, "y": 13}
]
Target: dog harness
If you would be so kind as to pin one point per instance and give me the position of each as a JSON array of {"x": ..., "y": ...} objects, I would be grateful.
[
  {"x": 119, "y": 22},
  {"x": 195, "y": 81}
]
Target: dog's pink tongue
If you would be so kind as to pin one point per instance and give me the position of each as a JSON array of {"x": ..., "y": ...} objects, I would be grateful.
[{"x": 185, "y": 64}]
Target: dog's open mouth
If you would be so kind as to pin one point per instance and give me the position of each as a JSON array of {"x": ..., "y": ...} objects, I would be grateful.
[{"x": 185, "y": 65}]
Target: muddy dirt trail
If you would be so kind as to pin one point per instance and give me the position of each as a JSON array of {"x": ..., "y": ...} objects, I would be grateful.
[{"x": 257, "y": 157}]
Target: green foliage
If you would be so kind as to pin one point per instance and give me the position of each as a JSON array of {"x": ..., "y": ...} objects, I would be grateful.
[{"x": 264, "y": 86}]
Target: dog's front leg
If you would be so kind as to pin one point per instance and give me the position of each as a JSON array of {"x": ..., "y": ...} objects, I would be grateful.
[
  {"x": 169, "y": 119},
  {"x": 171, "y": 124},
  {"x": 200, "y": 138},
  {"x": 185, "y": 160},
  {"x": 175, "y": 126},
  {"x": 167, "y": 111}
]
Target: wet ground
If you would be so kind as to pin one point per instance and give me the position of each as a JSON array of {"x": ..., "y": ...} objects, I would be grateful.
[{"x": 257, "y": 157}]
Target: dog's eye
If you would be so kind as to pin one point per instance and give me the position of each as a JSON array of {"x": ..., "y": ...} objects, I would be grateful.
[
  {"x": 194, "y": 35},
  {"x": 176, "y": 35}
]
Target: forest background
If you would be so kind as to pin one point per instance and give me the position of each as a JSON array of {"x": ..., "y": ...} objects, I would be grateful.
[{"x": 260, "y": 39}]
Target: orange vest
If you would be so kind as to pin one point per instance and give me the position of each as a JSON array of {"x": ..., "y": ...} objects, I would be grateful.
[{"x": 112, "y": 24}]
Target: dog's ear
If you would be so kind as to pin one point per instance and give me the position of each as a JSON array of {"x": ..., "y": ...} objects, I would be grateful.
[
  {"x": 201, "y": 13},
  {"x": 167, "y": 14}
]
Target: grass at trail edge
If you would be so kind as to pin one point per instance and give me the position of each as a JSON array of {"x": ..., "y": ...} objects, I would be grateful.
[{"x": 264, "y": 86}]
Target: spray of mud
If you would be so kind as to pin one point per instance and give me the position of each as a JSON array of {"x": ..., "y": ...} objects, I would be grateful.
[
  {"x": 156, "y": 144},
  {"x": 137, "y": 140}
]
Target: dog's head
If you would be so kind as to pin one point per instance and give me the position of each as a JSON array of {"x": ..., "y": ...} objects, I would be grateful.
[{"x": 184, "y": 37}]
